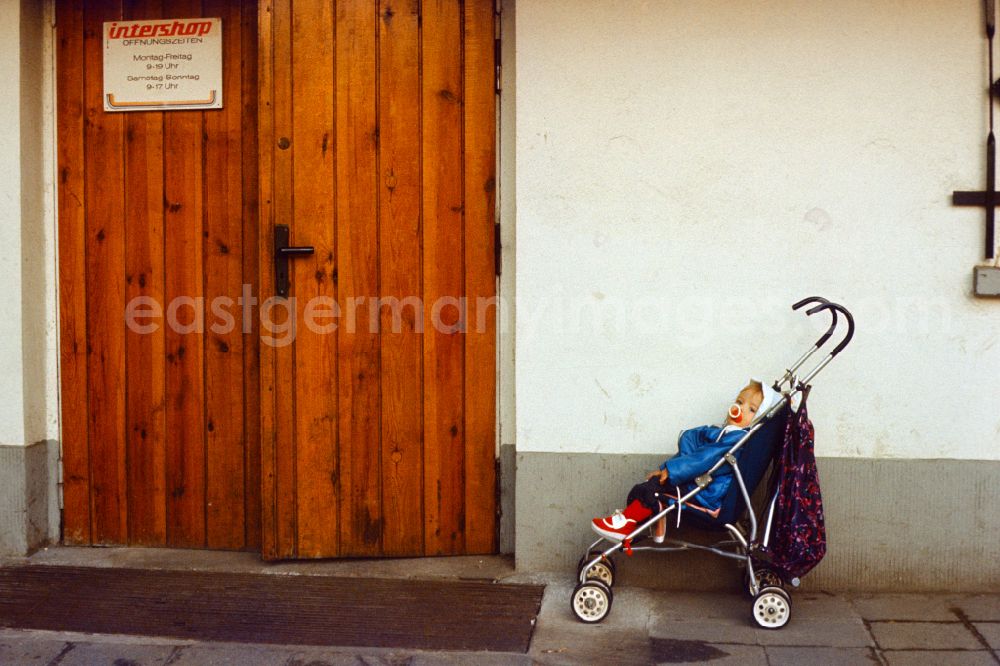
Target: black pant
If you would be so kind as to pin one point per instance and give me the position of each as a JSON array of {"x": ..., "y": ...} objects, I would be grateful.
[{"x": 646, "y": 492}]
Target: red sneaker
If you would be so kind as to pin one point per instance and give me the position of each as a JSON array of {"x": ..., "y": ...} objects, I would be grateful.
[
  {"x": 620, "y": 524},
  {"x": 615, "y": 527}
]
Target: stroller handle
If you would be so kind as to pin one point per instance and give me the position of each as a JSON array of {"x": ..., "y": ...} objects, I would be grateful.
[
  {"x": 810, "y": 299},
  {"x": 822, "y": 301},
  {"x": 834, "y": 309},
  {"x": 790, "y": 372}
]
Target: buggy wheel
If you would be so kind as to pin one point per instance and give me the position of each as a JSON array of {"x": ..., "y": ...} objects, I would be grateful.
[
  {"x": 591, "y": 601},
  {"x": 765, "y": 578},
  {"x": 772, "y": 608},
  {"x": 603, "y": 571}
]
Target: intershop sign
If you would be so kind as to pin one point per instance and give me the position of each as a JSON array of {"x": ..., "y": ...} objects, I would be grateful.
[{"x": 165, "y": 64}]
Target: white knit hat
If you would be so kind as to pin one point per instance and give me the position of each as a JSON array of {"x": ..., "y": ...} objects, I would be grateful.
[{"x": 769, "y": 398}]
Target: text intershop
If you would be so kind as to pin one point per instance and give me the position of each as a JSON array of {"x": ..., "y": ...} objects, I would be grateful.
[{"x": 169, "y": 29}]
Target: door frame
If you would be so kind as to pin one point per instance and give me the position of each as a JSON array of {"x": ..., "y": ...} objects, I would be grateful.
[{"x": 503, "y": 203}]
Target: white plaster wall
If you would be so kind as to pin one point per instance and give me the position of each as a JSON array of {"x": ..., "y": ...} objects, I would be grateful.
[
  {"x": 37, "y": 220},
  {"x": 28, "y": 380},
  {"x": 687, "y": 170},
  {"x": 11, "y": 362}
]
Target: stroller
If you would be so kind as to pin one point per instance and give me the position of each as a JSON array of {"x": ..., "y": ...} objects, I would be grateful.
[{"x": 761, "y": 445}]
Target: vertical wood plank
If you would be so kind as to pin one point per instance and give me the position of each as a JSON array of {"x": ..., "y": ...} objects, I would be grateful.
[
  {"x": 279, "y": 315},
  {"x": 271, "y": 513},
  {"x": 224, "y": 380},
  {"x": 444, "y": 448},
  {"x": 357, "y": 277},
  {"x": 480, "y": 281},
  {"x": 250, "y": 331},
  {"x": 104, "y": 157},
  {"x": 185, "y": 414},
  {"x": 315, "y": 386},
  {"x": 145, "y": 385},
  {"x": 72, "y": 272},
  {"x": 399, "y": 251}
]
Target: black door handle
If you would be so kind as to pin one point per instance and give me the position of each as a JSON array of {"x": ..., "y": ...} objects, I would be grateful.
[{"x": 282, "y": 252}]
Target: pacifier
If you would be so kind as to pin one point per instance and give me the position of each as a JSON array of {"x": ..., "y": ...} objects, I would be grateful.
[{"x": 736, "y": 412}]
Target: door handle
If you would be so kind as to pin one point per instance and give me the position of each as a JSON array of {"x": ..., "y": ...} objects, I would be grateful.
[{"x": 282, "y": 252}]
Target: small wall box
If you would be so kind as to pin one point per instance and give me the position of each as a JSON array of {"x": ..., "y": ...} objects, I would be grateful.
[{"x": 987, "y": 281}]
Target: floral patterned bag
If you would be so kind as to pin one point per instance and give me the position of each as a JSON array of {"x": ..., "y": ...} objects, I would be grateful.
[{"x": 798, "y": 539}]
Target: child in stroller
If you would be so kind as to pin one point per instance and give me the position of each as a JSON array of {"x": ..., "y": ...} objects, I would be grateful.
[
  {"x": 728, "y": 463},
  {"x": 698, "y": 449}
]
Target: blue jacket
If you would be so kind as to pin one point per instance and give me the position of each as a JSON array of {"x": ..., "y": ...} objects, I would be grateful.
[{"x": 699, "y": 449}]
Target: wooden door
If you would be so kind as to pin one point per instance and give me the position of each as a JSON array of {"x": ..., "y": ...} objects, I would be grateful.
[
  {"x": 160, "y": 428},
  {"x": 377, "y": 124}
]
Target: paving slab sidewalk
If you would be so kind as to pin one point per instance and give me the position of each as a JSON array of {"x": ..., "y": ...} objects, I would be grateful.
[{"x": 644, "y": 627}]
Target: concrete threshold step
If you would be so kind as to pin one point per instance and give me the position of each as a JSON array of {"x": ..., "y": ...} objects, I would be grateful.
[{"x": 470, "y": 567}]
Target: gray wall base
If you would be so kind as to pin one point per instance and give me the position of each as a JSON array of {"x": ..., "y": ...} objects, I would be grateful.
[
  {"x": 892, "y": 525},
  {"x": 29, "y": 510},
  {"x": 507, "y": 477}
]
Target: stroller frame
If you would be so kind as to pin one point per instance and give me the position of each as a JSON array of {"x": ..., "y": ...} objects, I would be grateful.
[{"x": 771, "y": 600}]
